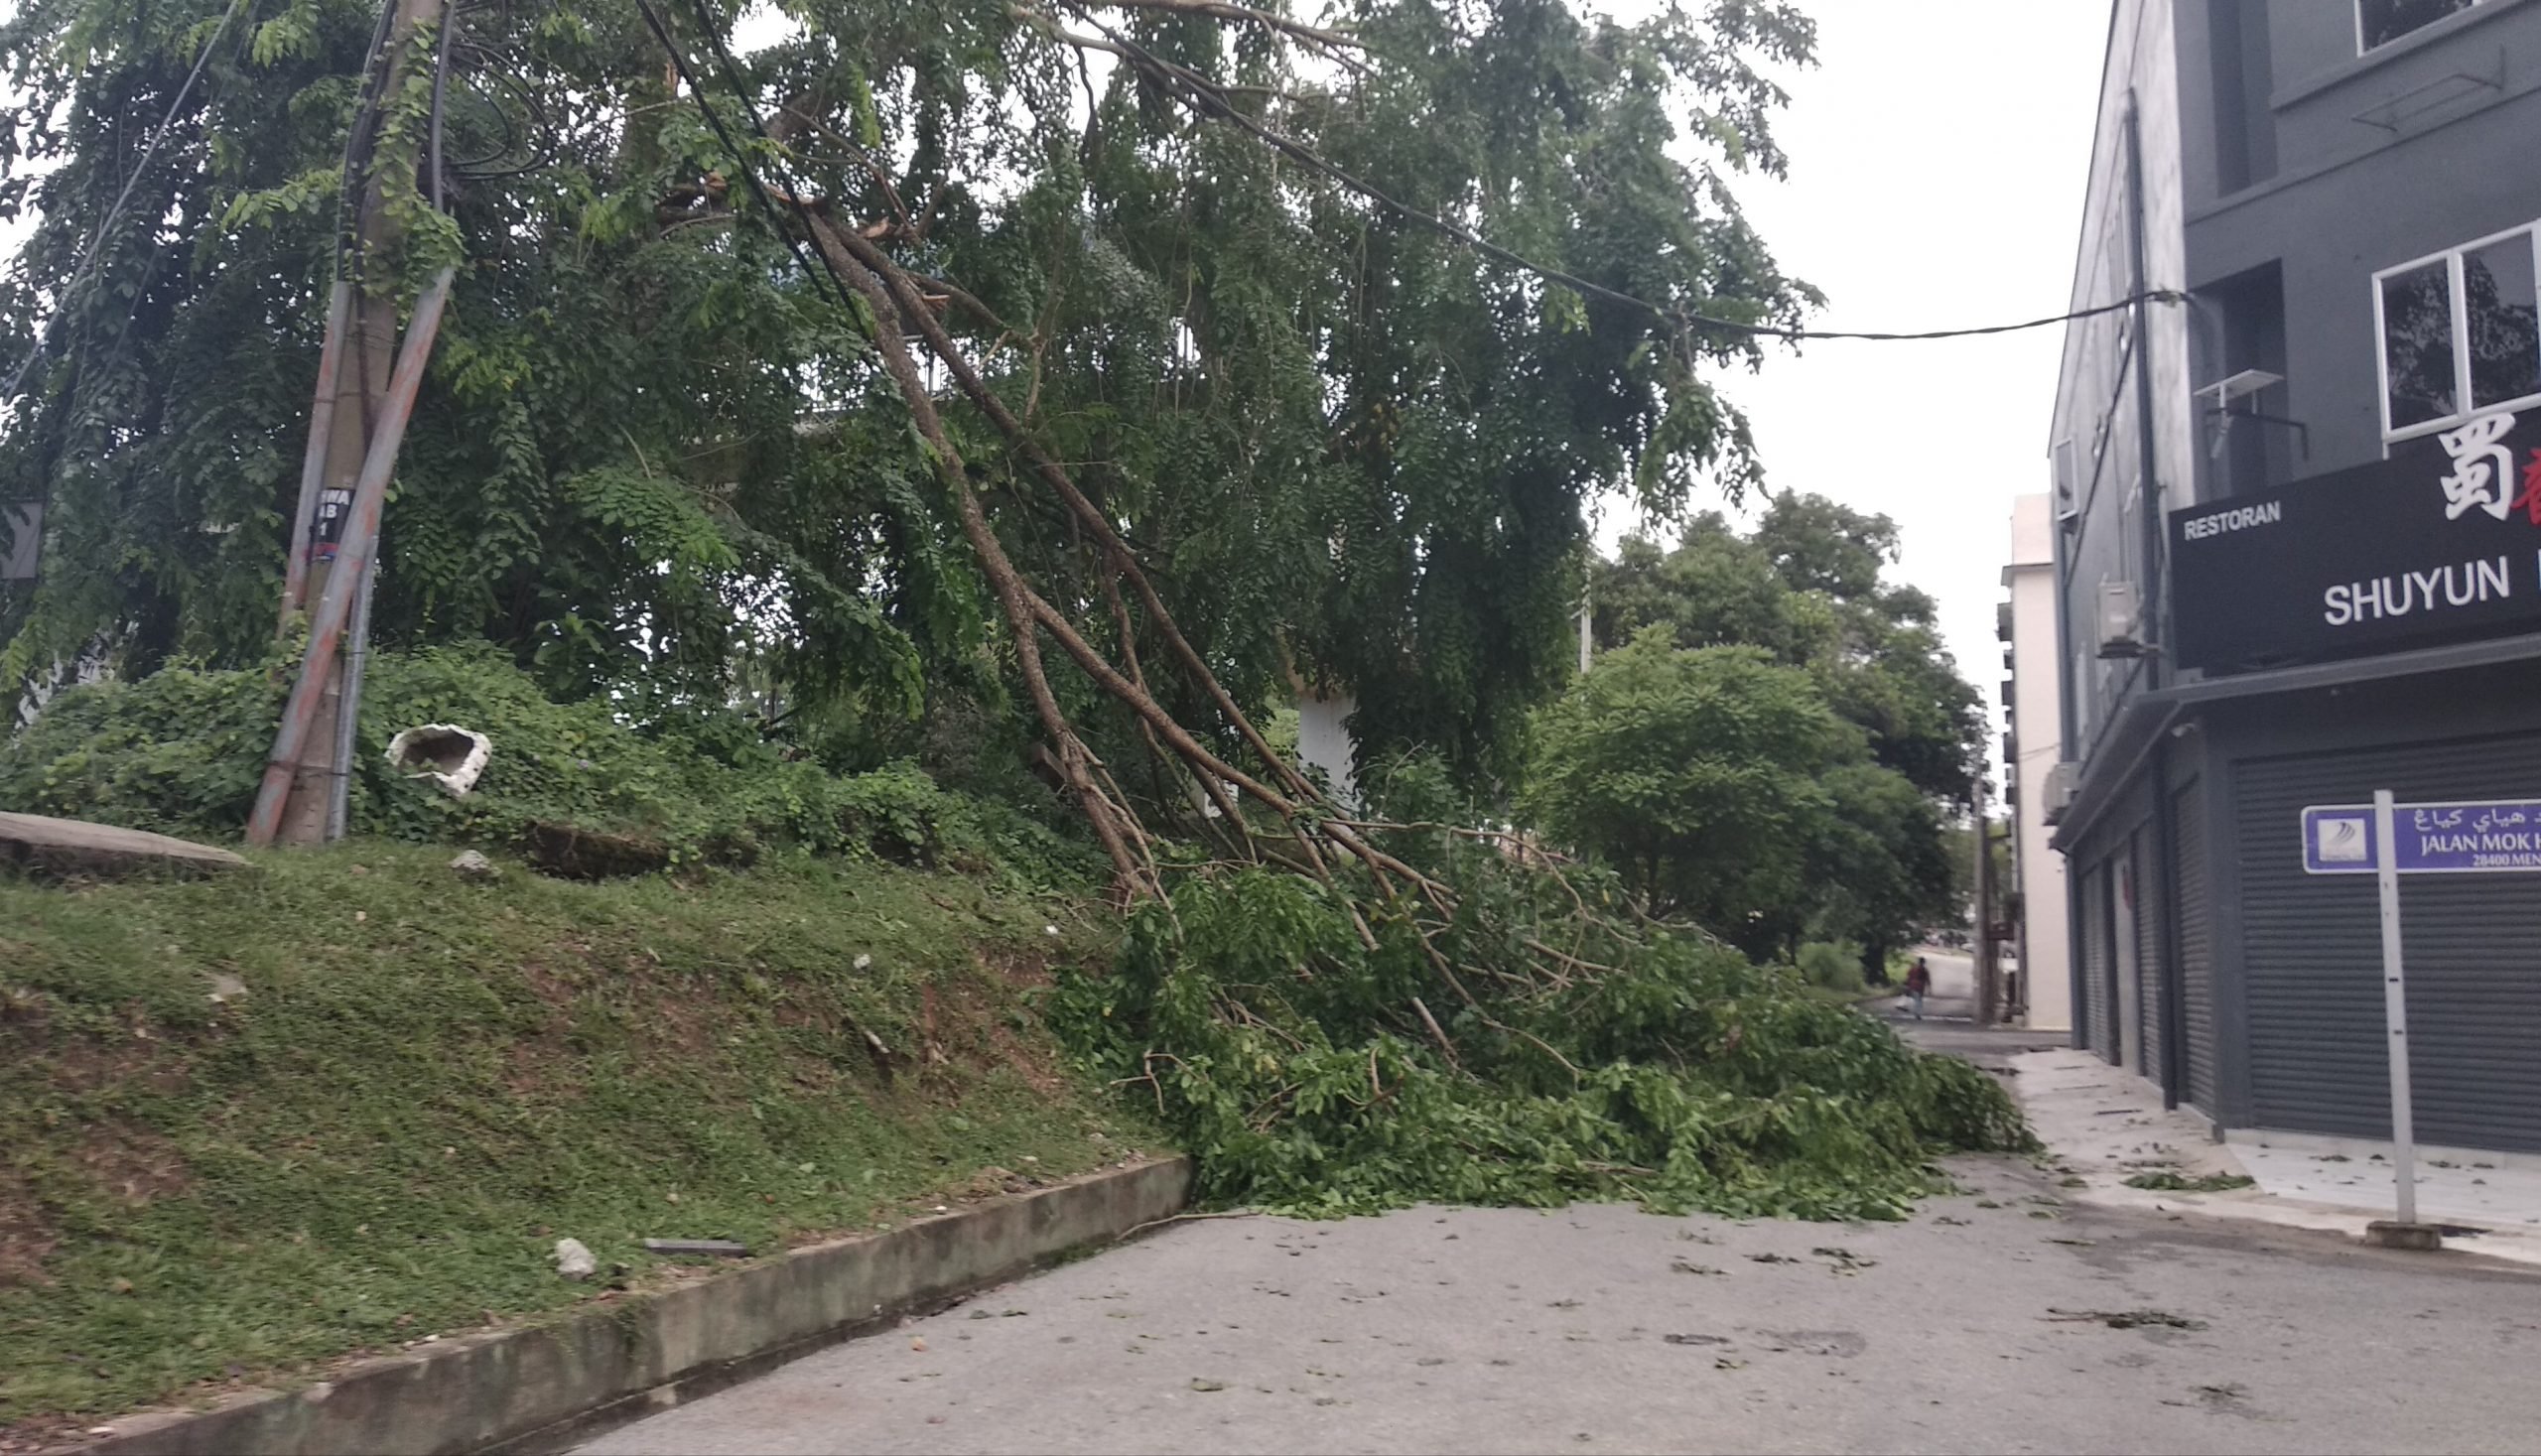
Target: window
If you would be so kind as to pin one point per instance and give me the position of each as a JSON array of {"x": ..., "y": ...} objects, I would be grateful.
[
  {"x": 2380, "y": 22},
  {"x": 2242, "y": 68},
  {"x": 2461, "y": 333}
]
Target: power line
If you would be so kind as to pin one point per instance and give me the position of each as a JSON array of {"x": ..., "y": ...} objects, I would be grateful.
[{"x": 114, "y": 214}]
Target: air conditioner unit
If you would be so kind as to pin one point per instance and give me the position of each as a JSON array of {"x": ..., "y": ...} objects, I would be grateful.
[
  {"x": 2061, "y": 780},
  {"x": 2121, "y": 617}
]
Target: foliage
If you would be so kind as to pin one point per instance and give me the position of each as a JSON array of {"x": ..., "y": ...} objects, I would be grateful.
[
  {"x": 181, "y": 751},
  {"x": 416, "y": 1085},
  {"x": 1959, "y": 848},
  {"x": 654, "y": 459},
  {"x": 1696, "y": 774},
  {"x": 1806, "y": 587},
  {"x": 2168, "y": 1181},
  {"x": 1291, "y": 1058},
  {"x": 1830, "y": 965}
]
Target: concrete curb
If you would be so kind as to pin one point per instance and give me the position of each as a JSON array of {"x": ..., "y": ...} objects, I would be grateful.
[{"x": 542, "y": 1388}]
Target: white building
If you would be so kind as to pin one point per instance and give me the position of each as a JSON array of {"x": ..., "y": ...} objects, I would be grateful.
[{"x": 2030, "y": 748}]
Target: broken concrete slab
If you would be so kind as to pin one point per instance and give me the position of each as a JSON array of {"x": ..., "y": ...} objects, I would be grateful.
[
  {"x": 50, "y": 846},
  {"x": 570, "y": 853}
]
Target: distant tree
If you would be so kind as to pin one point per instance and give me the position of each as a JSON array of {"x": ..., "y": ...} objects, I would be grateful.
[
  {"x": 1806, "y": 589},
  {"x": 1806, "y": 585},
  {"x": 1881, "y": 869},
  {"x": 1697, "y": 774}
]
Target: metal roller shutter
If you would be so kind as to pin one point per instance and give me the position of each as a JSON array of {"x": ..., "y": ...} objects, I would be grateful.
[
  {"x": 2100, "y": 1021},
  {"x": 2313, "y": 957},
  {"x": 2197, "y": 947},
  {"x": 2146, "y": 927}
]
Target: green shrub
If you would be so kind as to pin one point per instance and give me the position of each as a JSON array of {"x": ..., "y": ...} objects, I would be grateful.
[
  {"x": 180, "y": 753},
  {"x": 1832, "y": 965}
]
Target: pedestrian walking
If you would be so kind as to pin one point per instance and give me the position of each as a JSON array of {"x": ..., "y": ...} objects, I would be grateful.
[{"x": 1919, "y": 981}]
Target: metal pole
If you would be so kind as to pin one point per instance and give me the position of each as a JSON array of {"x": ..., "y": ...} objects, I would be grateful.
[
  {"x": 2149, "y": 616},
  {"x": 2395, "y": 1008},
  {"x": 349, "y": 705},
  {"x": 313, "y": 464},
  {"x": 361, "y": 545},
  {"x": 1981, "y": 948}
]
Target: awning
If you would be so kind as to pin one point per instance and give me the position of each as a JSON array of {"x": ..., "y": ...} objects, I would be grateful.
[{"x": 2144, "y": 717}]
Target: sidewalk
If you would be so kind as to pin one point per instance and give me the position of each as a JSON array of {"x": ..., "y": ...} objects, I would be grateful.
[{"x": 2104, "y": 1126}]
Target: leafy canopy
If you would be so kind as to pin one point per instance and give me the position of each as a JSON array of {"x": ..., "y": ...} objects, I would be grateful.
[
  {"x": 1696, "y": 774},
  {"x": 654, "y": 461},
  {"x": 1716, "y": 787}
]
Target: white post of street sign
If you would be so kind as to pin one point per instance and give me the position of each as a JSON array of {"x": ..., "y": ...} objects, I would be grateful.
[{"x": 2395, "y": 1007}]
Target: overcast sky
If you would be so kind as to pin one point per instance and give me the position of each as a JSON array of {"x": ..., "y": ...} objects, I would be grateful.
[{"x": 1937, "y": 155}]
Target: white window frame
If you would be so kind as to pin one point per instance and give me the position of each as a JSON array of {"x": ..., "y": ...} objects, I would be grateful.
[
  {"x": 2452, "y": 259},
  {"x": 2363, "y": 49}
]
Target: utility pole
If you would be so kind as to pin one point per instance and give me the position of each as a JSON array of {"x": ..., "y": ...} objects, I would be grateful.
[
  {"x": 354, "y": 415},
  {"x": 1989, "y": 999}
]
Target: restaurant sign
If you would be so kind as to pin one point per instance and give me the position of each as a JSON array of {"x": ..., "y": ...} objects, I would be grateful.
[{"x": 2440, "y": 540}]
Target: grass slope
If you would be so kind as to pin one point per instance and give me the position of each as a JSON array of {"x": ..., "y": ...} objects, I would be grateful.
[{"x": 427, "y": 1082}]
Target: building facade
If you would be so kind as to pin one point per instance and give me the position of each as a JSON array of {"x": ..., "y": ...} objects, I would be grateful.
[
  {"x": 2042, "y": 998},
  {"x": 2297, "y": 552}
]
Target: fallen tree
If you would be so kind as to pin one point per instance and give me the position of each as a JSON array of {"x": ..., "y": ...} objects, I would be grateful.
[{"x": 1268, "y": 267}]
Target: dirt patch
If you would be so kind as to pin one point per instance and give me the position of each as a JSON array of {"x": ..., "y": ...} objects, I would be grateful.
[
  {"x": 131, "y": 1163},
  {"x": 554, "y": 990},
  {"x": 1017, "y": 965},
  {"x": 26, "y": 1234},
  {"x": 84, "y": 1064},
  {"x": 965, "y": 1025}
]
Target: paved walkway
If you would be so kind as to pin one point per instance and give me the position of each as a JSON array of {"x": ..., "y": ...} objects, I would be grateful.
[
  {"x": 2109, "y": 1125},
  {"x": 2002, "y": 1319}
]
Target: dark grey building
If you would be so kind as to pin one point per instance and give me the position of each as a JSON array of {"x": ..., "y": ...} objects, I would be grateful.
[{"x": 2298, "y": 491}]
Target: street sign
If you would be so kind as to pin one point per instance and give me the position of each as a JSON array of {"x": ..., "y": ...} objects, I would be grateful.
[
  {"x": 2478, "y": 837},
  {"x": 2387, "y": 839}
]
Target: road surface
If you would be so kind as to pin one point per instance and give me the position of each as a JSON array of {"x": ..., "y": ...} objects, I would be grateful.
[{"x": 1995, "y": 1320}]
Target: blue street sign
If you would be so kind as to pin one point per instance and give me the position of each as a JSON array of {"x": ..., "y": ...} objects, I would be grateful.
[{"x": 2484, "y": 837}]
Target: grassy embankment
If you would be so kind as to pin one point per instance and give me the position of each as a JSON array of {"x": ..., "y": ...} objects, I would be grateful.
[{"x": 347, "y": 1101}]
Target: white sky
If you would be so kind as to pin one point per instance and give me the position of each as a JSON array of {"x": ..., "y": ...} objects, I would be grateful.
[{"x": 1937, "y": 155}]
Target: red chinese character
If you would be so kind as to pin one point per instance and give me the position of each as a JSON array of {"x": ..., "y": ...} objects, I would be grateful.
[{"x": 2530, "y": 499}]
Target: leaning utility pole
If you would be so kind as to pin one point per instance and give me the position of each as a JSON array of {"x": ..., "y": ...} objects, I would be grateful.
[{"x": 366, "y": 394}]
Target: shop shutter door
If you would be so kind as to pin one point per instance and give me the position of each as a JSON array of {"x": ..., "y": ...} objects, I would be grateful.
[
  {"x": 2146, "y": 927},
  {"x": 2312, "y": 957},
  {"x": 2197, "y": 947},
  {"x": 2100, "y": 1020}
]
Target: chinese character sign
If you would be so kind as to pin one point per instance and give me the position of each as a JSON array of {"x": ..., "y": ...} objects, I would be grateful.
[{"x": 2483, "y": 467}]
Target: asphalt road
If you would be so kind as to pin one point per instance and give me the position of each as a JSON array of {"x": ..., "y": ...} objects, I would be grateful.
[{"x": 1601, "y": 1328}]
